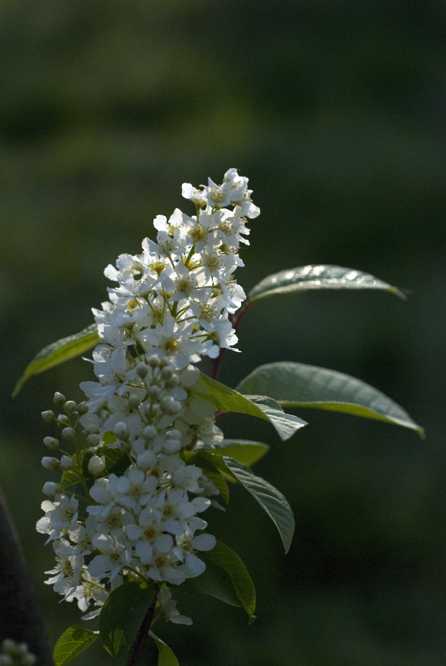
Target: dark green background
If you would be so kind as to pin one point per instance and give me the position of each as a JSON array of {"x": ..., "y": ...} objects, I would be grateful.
[{"x": 335, "y": 110}]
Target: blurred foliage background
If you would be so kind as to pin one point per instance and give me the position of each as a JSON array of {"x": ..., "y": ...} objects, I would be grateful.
[{"x": 335, "y": 109}]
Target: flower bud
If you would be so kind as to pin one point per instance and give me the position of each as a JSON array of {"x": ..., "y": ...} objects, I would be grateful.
[
  {"x": 125, "y": 447},
  {"x": 170, "y": 406},
  {"x": 172, "y": 446},
  {"x": 134, "y": 401},
  {"x": 70, "y": 406},
  {"x": 149, "y": 432},
  {"x": 48, "y": 416},
  {"x": 164, "y": 362},
  {"x": 8, "y": 645},
  {"x": 153, "y": 391},
  {"x": 154, "y": 361},
  {"x": 51, "y": 443},
  {"x": 173, "y": 381},
  {"x": 62, "y": 420},
  {"x": 52, "y": 464},
  {"x": 82, "y": 408},
  {"x": 68, "y": 433},
  {"x": 59, "y": 399},
  {"x": 93, "y": 440},
  {"x": 96, "y": 465},
  {"x": 146, "y": 460},
  {"x": 28, "y": 659},
  {"x": 67, "y": 462},
  {"x": 167, "y": 372},
  {"x": 6, "y": 660},
  {"x": 121, "y": 431},
  {"x": 50, "y": 488},
  {"x": 142, "y": 370}
]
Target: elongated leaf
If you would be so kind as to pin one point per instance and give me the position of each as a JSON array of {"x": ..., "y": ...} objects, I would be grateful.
[
  {"x": 214, "y": 582},
  {"x": 301, "y": 385},
  {"x": 304, "y": 278},
  {"x": 269, "y": 498},
  {"x": 226, "y": 399},
  {"x": 72, "y": 642},
  {"x": 244, "y": 588},
  {"x": 122, "y": 615},
  {"x": 242, "y": 450},
  {"x": 59, "y": 352},
  {"x": 165, "y": 655}
]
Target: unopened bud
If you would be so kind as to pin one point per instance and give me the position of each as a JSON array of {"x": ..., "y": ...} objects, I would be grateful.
[
  {"x": 146, "y": 460},
  {"x": 166, "y": 373},
  {"x": 153, "y": 391},
  {"x": 6, "y": 660},
  {"x": 121, "y": 431},
  {"x": 70, "y": 406},
  {"x": 173, "y": 381},
  {"x": 51, "y": 443},
  {"x": 8, "y": 645},
  {"x": 52, "y": 464},
  {"x": 93, "y": 440},
  {"x": 62, "y": 420},
  {"x": 48, "y": 416},
  {"x": 68, "y": 433},
  {"x": 164, "y": 362},
  {"x": 142, "y": 370},
  {"x": 154, "y": 361},
  {"x": 172, "y": 446},
  {"x": 149, "y": 432},
  {"x": 28, "y": 659},
  {"x": 170, "y": 406},
  {"x": 134, "y": 401},
  {"x": 125, "y": 447},
  {"x": 66, "y": 462},
  {"x": 59, "y": 399},
  {"x": 96, "y": 465},
  {"x": 82, "y": 408},
  {"x": 50, "y": 488}
]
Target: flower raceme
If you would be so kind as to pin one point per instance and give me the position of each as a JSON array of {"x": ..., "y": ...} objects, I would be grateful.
[{"x": 128, "y": 506}]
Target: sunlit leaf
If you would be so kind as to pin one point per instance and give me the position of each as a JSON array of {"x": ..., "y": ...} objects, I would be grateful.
[
  {"x": 270, "y": 499},
  {"x": 226, "y": 399},
  {"x": 304, "y": 278},
  {"x": 59, "y": 352},
  {"x": 244, "y": 588},
  {"x": 301, "y": 385},
  {"x": 122, "y": 615},
  {"x": 72, "y": 642},
  {"x": 242, "y": 450}
]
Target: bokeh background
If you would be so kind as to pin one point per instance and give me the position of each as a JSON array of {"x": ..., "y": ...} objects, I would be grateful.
[{"x": 335, "y": 109}]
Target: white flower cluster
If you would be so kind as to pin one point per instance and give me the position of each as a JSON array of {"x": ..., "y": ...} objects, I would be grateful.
[
  {"x": 16, "y": 654},
  {"x": 138, "y": 513}
]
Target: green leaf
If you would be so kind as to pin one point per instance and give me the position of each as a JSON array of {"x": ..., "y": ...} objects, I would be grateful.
[
  {"x": 269, "y": 498},
  {"x": 72, "y": 642},
  {"x": 232, "y": 564},
  {"x": 304, "y": 278},
  {"x": 122, "y": 615},
  {"x": 59, "y": 352},
  {"x": 212, "y": 472},
  {"x": 242, "y": 450},
  {"x": 165, "y": 655},
  {"x": 301, "y": 385},
  {"x": 214, "y": 582},
  {"x": 226, "y": 399}
]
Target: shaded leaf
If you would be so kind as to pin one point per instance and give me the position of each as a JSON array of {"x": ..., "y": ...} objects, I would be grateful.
[
  {"x": 122, "y": 615},
  {"x": 59, "y": 352},
  {"x": 165, "y": 655},
  {"x": 301, "y": 385},
  {"x": 227, "y": 400},
  {"x": 304, "y": 278},
  {"x": 270, "y": 499},
  {"x": 72, "y": 642},
  {"x": 232, "y": 564},
  {"x": 214, "y": 582}
]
